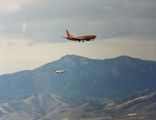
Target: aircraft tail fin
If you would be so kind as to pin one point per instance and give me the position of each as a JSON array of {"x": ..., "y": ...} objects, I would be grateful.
[{"x": 68, "y": 34}]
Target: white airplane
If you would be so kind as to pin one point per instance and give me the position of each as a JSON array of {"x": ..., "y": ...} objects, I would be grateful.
[
  {"x": 80, "y": 38},
  {"x": 59, "y": 71}
]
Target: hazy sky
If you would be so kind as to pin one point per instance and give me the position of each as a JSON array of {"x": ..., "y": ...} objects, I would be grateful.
[{"x": 31, "y": 31}]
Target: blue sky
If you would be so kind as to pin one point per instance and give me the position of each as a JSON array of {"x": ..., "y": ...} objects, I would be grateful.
[{"x": 31, "y": 30}]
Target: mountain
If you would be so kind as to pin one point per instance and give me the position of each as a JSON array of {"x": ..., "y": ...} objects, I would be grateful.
[
  {"x": 49, "y": 106},
  {"x": 33, "y": 107},
  {"x": 140, "y": 106},
  {"x": 90, "y": 88},
  {"x": 111, "y": 78}
]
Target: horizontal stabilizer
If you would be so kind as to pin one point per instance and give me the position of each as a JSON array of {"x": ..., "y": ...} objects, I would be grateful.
[{"x": 64, "y": 37}]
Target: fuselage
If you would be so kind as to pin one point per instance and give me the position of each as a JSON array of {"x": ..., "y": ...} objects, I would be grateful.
[{"x": 82, "y": 37}]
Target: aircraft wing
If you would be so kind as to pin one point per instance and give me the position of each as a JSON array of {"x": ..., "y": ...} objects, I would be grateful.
[
  {"x": 76, "y": 38},
  {"x": 71, "y": 38}
]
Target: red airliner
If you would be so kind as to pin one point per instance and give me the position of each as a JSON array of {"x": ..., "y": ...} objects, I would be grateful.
[{"x": 80, "y": 37}]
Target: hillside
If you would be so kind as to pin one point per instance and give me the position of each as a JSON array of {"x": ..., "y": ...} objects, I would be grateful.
[
  {"x": 50, "y": 106},
  {"x": 33, "y": 107},
  {"x": 90, "y": 88},
  {"x": 84, "y": 77}
]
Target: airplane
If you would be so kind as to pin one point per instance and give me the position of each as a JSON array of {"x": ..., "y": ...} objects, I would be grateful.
[
  {"x": 59, "y": 71},
  {"x": 80, "y": 38}
]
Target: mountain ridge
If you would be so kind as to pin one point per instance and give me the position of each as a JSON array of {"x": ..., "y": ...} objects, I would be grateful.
[
  {"x": 83, "y": 76},
  {"x": 89, "y": 89}
]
